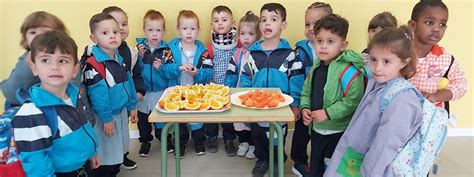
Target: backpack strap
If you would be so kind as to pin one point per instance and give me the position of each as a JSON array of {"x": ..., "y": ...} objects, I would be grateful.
[
  {"x": 393, "y": 89},
  {"x": 238, "y": 53},
  {"x": 98, "y": 66},
  {"x": 134, "y": 57},
  {"x": 210, "y": 51},
  {"x": 446, "y": 103},
  {"x": 347, "y": 76}
]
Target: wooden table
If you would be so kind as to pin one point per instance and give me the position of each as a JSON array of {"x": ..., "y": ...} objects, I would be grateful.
[{"x": 234, "y": 114}]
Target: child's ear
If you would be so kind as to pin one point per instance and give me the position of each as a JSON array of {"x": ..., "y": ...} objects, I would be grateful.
[
  {"x": 33, "y": 69},
  {"x": 93, "y": 38},
  {"x": 344, "y": 45},
  {"x": 76, "y": 69},
  {"x": 283, "y": 25},
  {"x": 411, "y": 25}
]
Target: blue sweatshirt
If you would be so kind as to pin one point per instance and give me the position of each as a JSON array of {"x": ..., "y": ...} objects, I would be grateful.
[
  {"x": 43, "y": 154},
  {"x": 304, "y": 53},
  {"x": 155, "y": 79},
  {"x": 109, "y": 95}
]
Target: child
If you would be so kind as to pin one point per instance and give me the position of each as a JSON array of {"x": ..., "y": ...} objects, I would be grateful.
[
  {"x": 224, "y": 42},
  {"x": 129, "y": 58},
  {"x": 153, "y": 52},
  {"x": 191, "y": 66},
  {"x": 378, "y": 23},
  {"x": 21, "y": 76},
  {"x": 440, "y": 78},
  {"x": 305, "y": 53},
  {"x": 111, "y": 96},
  {"x": 64, "y": 150},
  {"x": 373, "y": 138},
  {"x": 248, "y": 34},
  {"x": 271, "y": 64},
  {"x": 325, "y": 104}
]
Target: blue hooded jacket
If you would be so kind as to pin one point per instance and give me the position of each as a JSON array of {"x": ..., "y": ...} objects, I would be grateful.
[
  {"x": 109, "y": 95},
  {"x": 155, "y": 79},
  {"x": 304, "y": 53},
  {"x": 41, "y": 153}
]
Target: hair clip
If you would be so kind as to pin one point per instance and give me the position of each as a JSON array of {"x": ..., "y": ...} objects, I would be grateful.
[{"x": 406, "y": 35}]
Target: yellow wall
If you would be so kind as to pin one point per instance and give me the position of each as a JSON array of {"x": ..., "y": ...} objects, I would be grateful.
[{"x": 76, "y": 14}]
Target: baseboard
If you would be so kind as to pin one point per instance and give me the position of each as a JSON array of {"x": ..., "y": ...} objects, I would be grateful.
[{"x": 452, "y": 132}]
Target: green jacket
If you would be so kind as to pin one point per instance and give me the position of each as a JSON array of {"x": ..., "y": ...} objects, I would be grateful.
[{"x": 338, "y": 107}]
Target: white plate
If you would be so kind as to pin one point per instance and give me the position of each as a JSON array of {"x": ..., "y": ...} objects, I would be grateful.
[
  {"x": 234, "y": 99},
  {"x": 169, "y": 89}
]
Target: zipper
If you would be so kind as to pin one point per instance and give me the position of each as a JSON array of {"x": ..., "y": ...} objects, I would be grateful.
[{"x": 268, "y": 66}]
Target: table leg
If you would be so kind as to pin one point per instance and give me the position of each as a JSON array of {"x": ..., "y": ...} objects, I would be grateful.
[
  {"x": 271, "y": 151},
  {"x": 164, "y": 144},
  {"x": 281, "y": 171},
  {"x": 177, "y": 150}
]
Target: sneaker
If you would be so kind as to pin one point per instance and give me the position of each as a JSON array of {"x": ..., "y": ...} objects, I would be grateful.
[
  {"x": 230, "y": 149},
  {"x": 200, "y": 149},
  {"x": 170, "y": 148},
  {"x": 128, "y": 164},
  {"x": 250, "y": 153},
  {"x": 260, "y": 169},
  {"x": 243, "y": 148},
  {"x": 144, "y": 149},
  {"x": 182, "y": 151},
  {"x": 302, "y": 170},
  {"x": 212, "y": 144}
]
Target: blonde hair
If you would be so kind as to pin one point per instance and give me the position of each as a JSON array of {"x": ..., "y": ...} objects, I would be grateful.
[
  {"x": 40, "y": 19},
  {"x": 154, "y": 15},
  {"x": 187, "y": 14},
  {"x": 398, "y": 41},
  {"x": 249, "y": 17},
  {"x": 320, "y": 5}
]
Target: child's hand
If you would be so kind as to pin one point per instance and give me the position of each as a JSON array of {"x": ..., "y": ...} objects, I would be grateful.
[
  {"x": 319, "y": 115},
  {"x": 440, "y": 96},
  {"x": 139, "y": 96},
  {"x": 296, "y": 112},
  {"x": 157, "y": 63},
  {"x": 133, "y": 116},
  {"x": 141, "y": 50},
  {"x": 109, "y": 128},
  {"x": 193, "y": 71},
  {"x": 185, "y": 67},
  {"x": 306, "y": 116},
  {"x": 95, "y": 162}
]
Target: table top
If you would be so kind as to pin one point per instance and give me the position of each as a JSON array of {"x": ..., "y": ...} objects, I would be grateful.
[{"x": 234, "y": 114}]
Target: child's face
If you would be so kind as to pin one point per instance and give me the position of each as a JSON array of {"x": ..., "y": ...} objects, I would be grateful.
[
  {"x": 247, "y": 34},
  {"x": 54, "y": 70},
  {"x": 33, "y": 32},
  {"x": 107, "y": 35},
  {"x": 221, "y": 22},
  {"x": 430, "y": 26},
  {"x": 384, "y": 64},
  {"x": 271, "y": 24},
  {"x": 328, "y": 45},
  {"x": 188, "y": 29},
  {"x": 154, "y": 31},
  {"x": 374, "y": 31},
  {"x": 123, "y": 23},
  {"x": 311, "y": 17}
]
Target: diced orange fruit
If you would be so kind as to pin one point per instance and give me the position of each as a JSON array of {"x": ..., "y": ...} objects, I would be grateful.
[{"x": 171, "y": 106}]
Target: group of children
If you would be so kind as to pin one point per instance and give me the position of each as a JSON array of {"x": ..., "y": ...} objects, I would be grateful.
[{"x": 336, "y": 90}]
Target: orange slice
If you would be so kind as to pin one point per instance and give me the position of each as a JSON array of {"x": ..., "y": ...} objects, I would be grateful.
[
  {"x": 192, "y": 106},
  {"x": 205, "y": 106},
  {"x": 224, "y": 91},
  {"x": 171, "y": 106},
  {"x": 215, "y": 104},
  {"x": 224, "y": 100}
]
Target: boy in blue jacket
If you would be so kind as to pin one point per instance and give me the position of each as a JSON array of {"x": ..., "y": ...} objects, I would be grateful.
[
  {"x": 272, "y": 63},
  {"x": 191, "y": 66},
  {"x": 112, "y": 93},
  {"x": 64, "y": 144}
]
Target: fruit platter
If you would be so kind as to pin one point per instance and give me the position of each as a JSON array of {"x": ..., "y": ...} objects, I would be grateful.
[
  {"x": 261, "y": 99},
  {"x": 196, "y": 98}
]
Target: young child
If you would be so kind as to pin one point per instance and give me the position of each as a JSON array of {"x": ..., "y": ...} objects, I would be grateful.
[
  {"x": 111, "y": 96},
  {"x": 224, "y": 42},
  {"x": 439, "y": 76},
  {"x": 65, "y": 144},
  {"x": 21, "y": 76},
  {"x": 378, "y": 23},
  {"x": 373, "y": 138},
  {"x": 271, "y": 64},
  {"x": 153, "y": 52},
  {"x": 191, "y": 66},
  {"x": 325, "y": 105},
  {"x": 306, "y": 54},
  {"x": 248, "y": 34},
  {"x": 129, "y": 58}
]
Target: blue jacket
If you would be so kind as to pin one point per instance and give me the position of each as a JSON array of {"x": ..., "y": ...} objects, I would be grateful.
[
  {"x": 109, "y": 96},
  {"x": 201, "y": 61},
  {"x": 233, "y": 71},
  {"x": 304, "y": 54},
  {"x": 155, "y": 79},
  {"x": 43, "y": 154},
  {"x": 279, "y": 69}
]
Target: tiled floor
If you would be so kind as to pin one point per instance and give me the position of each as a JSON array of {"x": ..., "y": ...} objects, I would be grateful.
[{"x": 457, "y": 160}]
